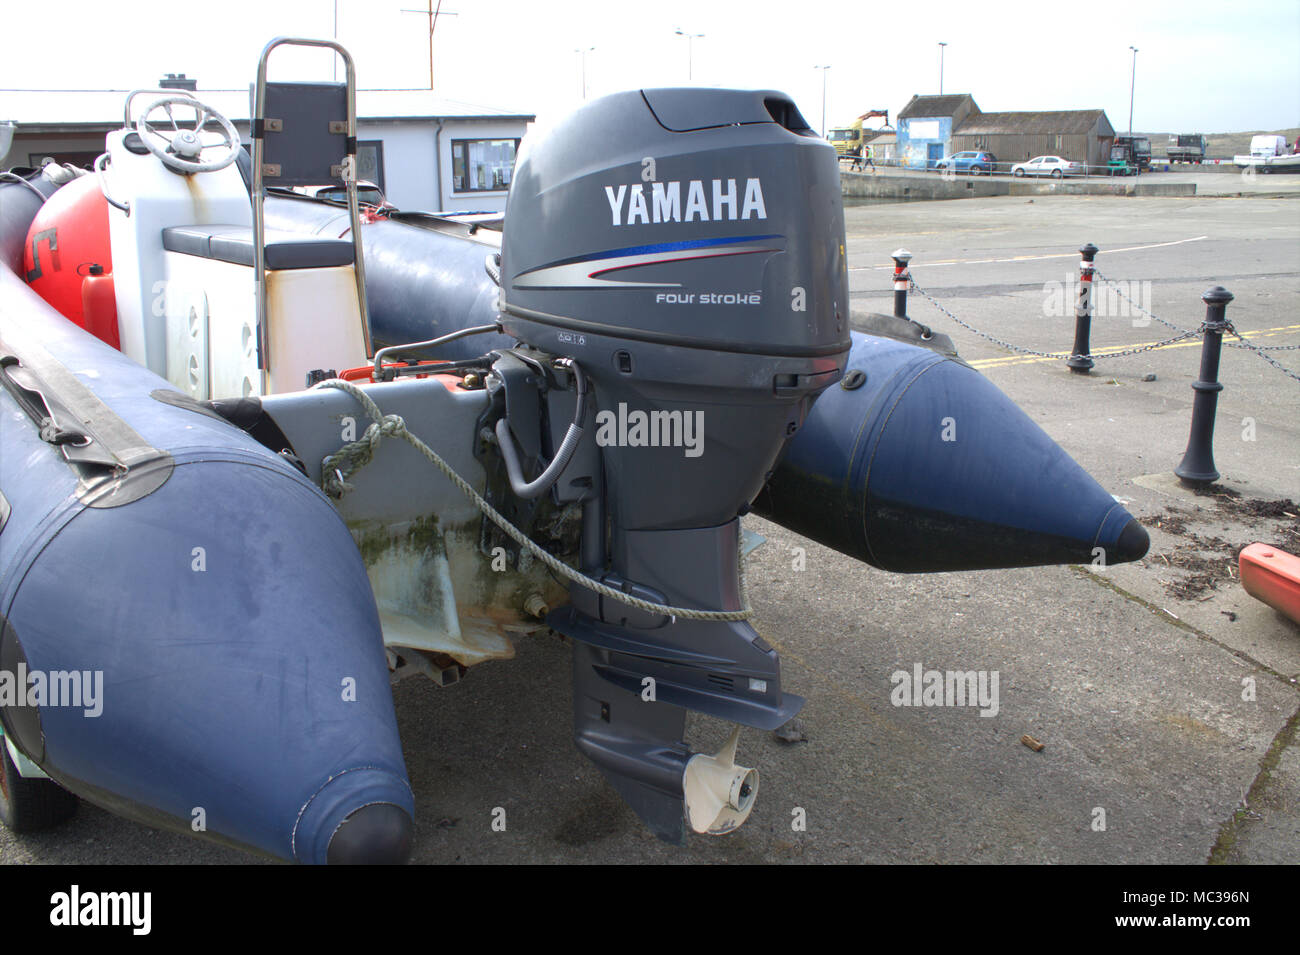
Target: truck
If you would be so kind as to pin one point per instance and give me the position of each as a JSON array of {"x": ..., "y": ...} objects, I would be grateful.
[
  {"x": 848, "y": 140},
  {"x": 1141, "y": 149},
  {"x": 1186, "y": 147},
  {"x": 1122, "y": 161}
]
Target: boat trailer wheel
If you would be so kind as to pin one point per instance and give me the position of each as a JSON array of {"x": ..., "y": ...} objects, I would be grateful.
[
  {"x": 180, "y": 150},
  {"x": 30, "y": 805}
]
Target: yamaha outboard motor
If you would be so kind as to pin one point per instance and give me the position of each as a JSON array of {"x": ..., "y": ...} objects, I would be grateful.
[{"x": 673, "y": 266}]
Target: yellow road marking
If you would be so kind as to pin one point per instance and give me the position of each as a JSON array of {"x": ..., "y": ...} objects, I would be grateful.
[{"x": 1110, "y": 349}]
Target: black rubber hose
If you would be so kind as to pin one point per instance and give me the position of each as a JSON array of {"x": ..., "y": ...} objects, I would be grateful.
[
  {"x": 544, "y": 481},
  {"x": 432, "y": 343}
]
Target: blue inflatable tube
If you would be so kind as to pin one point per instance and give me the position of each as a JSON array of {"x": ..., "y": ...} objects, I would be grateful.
[
  {"x": 194, "y": 607},
  {"x": 917, "y": 463}
]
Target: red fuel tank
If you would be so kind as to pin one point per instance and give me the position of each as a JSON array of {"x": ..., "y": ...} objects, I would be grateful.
[
  {"x": 99, "y": 305},
  {"x": 68, "y": 236}
]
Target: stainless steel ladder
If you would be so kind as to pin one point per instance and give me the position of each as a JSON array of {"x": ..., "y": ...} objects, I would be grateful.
[{"x": 303, "y": 134}]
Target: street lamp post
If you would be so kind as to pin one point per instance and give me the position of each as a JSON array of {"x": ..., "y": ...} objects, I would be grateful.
[
  {"x": 823, "y": 69},
  {"x": 941, "y": 46},
  {"x": 583, "y": 53},
  {"x": 1132, "y": 82},
  {"x": 690, "y": 53}
]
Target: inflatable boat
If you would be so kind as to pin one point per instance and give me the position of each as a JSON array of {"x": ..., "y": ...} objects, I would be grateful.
[{"x": 263, "y": 454}]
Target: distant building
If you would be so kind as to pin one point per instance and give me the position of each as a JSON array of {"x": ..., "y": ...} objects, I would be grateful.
[
  {"x": 426, "y": 153},
  {"x": 883, "y": 146},
  {"x": 931, "y": 127},
  {"x": 926, "y": 125},
  {"x": 1083, "y": 135}
]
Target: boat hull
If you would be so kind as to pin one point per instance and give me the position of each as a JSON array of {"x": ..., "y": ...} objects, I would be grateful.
[
  {"x": 1268, "y": 163},
  {"x": 205, "y": 602}
]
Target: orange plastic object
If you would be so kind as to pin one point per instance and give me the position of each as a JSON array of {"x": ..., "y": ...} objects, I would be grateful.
[
  {"x": 1272, "y": 575},
  {"x": 366, "y": 372},
  {"x": 67, "y": 237},
  {"x": 99, "y": 306}
]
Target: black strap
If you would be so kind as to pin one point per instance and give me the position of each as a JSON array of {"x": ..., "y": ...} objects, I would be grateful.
[{"x": 33, "y": 404}]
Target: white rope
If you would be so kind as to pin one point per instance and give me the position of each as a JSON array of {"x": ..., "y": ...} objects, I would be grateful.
[{"x": 347, "y": 460}]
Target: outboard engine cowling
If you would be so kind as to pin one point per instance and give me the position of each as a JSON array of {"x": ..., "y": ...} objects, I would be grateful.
[{"x": 685, "y": 249}]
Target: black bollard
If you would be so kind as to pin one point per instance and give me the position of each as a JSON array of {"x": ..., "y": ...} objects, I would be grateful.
[
  {"x": 1080, "y": 361},
  {"x": 1197, "y": 467},
  {"x": 902, "y": 279}
]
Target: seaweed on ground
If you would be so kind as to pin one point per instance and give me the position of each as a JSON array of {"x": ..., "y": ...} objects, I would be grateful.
[{"x": 1207, "y": 561}]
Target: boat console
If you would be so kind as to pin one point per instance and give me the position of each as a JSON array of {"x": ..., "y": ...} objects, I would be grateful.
[{"x": 206, "y": 297}]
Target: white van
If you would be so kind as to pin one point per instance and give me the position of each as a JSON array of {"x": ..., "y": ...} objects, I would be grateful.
[{"x": 1269, "y": 145}]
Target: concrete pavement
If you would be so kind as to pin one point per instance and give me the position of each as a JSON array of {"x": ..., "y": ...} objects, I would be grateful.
[{"x": 1169, "y": 722}]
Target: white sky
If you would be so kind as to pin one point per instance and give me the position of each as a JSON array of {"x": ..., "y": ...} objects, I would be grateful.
[{"x": 1203, "y": 65}]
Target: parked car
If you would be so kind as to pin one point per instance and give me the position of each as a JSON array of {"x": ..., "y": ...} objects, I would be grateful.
[
  {"x": 972, "y": 161},
  {"x": 1053, "y": 166}
]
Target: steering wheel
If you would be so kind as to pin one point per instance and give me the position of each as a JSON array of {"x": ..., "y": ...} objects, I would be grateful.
[{"x": 181, "y": 148}]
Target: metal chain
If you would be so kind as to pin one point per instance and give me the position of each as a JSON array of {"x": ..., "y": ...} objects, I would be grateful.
[
  {"x": 997, "y": 341},
  {"x": 1152, "y": 347},
  {"x": 1042, "y": 354},
  {"x": 1244, "y": 343},
  {"x": 343, "y": 463},
  {"x": 1268, "y": 358},
  {"x": 1240, "y": 343},
  {"x": 1124, "y": 295},
  {"x": 1183, "y": 334},
  {"x": 1251, "y": 346}
]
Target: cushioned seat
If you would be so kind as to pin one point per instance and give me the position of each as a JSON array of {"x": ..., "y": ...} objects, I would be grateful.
[{"x": 234, "y": 243}]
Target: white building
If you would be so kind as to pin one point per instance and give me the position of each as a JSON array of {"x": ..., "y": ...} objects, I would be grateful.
[{"x": 426, "y": 153}]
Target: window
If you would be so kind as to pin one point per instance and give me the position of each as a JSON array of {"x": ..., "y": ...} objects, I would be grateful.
[
  {"x": 370, "y": 161},
  {"x": 923, "y": 129},
  {"x": 482, "y": 165}
]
